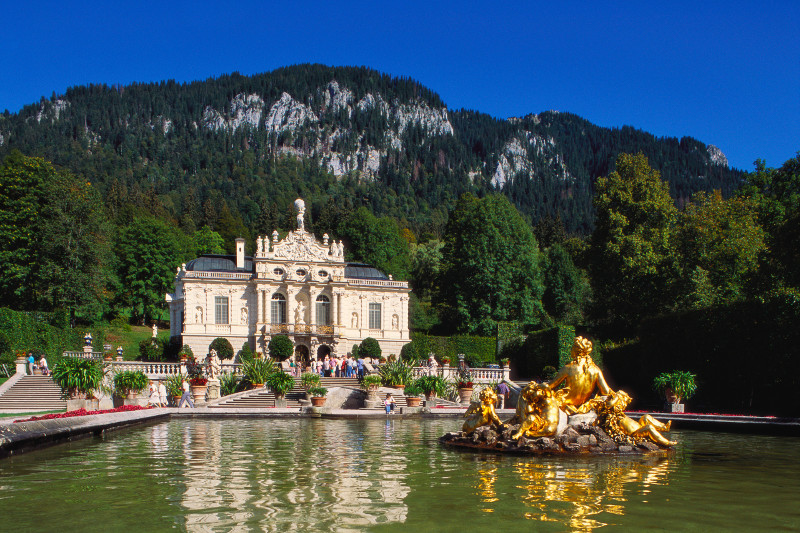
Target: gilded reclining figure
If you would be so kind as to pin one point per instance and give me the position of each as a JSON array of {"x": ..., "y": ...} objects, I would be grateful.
[{"x": 612, "y": 418}]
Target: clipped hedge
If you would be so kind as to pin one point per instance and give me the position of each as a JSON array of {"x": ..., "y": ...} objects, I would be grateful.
[
  {"x": 546, "y": 347},
  {"x": 744, "y": 355},
  {"x": 478, "y": 350},
  {"x": 32, "y": 331}
]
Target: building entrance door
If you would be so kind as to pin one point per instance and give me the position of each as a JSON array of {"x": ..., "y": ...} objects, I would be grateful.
[{"x": 301, "y": 356}]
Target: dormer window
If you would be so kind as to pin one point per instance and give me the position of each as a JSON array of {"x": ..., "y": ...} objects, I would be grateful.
[
  {"x": 300, "y": 272},
  {"x": 278, "y": 272}
]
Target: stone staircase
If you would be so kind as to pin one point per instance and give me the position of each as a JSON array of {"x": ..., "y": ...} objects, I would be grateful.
[
  {"x": 265, "y": 398},
  {"x": 33, "y": 393}
]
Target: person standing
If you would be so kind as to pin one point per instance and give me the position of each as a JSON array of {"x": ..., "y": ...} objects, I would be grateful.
[
  {"x": 43, "y": 366},
  {"x": 31, "y": 362},
  {"x": 153, "y": 397},
  {"x": 162, "y": 394},
  {"x": 186, "y": 398}
]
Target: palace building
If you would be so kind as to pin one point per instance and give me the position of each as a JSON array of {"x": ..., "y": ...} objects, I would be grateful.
[{"x": 297, "y": 286}]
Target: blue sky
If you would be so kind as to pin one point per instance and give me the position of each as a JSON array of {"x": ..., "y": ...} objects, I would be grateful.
[{"x": 727, "y": 73}]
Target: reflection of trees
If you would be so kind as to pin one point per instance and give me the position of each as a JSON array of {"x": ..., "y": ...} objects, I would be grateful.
[{"x": 575, "y": 493}]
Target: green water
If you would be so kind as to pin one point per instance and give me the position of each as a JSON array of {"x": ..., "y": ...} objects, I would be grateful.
[{"x": 343, "y": 475}]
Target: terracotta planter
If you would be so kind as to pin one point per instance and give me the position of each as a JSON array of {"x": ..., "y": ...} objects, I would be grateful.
[
  {"x": 318, "y": 401},
  {"x": 199, "y": 393},
  {"x": 398, "y": 387},
  {"x": 257, "y": 385},
  {"x": 464, "y": 395},
  {"x": 176, "y": 400},
  {"x": 130, "y": 395},
  {"x": 413, "y": 401}
]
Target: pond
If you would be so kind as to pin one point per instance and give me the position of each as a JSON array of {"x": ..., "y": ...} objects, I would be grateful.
[{"x": 388, "y": 475}]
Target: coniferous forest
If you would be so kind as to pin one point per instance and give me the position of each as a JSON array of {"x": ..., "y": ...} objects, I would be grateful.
[{"x": 104, "y": 190}]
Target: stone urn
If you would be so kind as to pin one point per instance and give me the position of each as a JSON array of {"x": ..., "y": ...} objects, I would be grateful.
[
  {"x": 464, "y": 394},
  {"x": 199, "y": 393}
]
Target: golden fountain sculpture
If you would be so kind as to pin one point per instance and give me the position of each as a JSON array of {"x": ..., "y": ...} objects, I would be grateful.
[{"x": 579, "y": 388}]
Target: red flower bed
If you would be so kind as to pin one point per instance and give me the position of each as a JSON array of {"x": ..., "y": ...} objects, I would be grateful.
[{"x": 83, "y": 412}]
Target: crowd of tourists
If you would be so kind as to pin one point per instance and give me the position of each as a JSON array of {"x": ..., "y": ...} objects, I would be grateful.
[{"x": 339, "y": 367}]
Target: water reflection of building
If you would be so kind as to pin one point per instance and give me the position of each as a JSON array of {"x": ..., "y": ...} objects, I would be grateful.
[{"x": 290, "y": 475}]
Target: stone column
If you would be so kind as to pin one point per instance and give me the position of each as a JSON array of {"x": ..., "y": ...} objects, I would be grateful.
[{"x": 312, "y": 307}]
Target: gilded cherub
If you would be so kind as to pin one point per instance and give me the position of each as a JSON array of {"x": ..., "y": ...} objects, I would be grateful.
[
  {"x": 482, "y": 414},
  {"x": 539, "y": 413},
  {"x": 617, "y": 424},
  {"x": 582, "y": 378}
]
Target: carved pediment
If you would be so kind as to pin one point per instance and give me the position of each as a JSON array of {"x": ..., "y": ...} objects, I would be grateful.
[{"x": 301, "y": 245}]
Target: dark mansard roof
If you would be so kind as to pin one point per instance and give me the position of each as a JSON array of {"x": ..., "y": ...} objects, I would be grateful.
[
  {"x": 227, "y": 263},
  {"x": 219, "y": 263},
  {"x": 362, "y": 271}
]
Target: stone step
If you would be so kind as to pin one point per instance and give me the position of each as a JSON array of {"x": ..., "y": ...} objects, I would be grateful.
[{"x": 35, "y": 393}]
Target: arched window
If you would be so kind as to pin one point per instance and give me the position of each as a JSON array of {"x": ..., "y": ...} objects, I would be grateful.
[
  {"x": 323, "y": 310},
  {"x": 278, "y": 308}
]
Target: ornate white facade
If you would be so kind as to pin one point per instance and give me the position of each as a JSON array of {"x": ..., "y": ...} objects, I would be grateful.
[{"x": 299, "y": 287}]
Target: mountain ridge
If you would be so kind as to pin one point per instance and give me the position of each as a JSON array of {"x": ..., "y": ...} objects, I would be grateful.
[{"x": 391, "y": 136}]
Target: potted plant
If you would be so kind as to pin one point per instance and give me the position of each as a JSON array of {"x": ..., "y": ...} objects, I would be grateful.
[
  {"x": 371, "y": 383},
  {"x": 412, "y": 392},
  {"x": 464, "y": 385},
  {"x": 108, "y": 356},
  {"x": 77, "y": 378},
  {"x": 445, "y": 361},
  {"x": 318, "y": 396},
  {"x": 258, "y": 371},
  {"x": 309, "y": 380},
  {"x": 130, "y": 383},
  {"x": 185, "y": 353},
  {"x": 280, "y": 383},
  {"x": 197, "y": 380},
  {"x": 676, "y": 386},
  {"x": 505, "y": 362},
  {"x": 174, "y": 385},
  {"x": 432, "y": 386},
  {"x": 396, "y": 374}
]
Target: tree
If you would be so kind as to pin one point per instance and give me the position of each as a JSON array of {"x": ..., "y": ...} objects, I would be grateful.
[
  {"x": 207, "y": 241},
  {"x": 567, "y": 288},
  {"x": 377, "y": 241},
  {"x": 632, "y": 265},
  {"x": 148, "y": 253},
  {"x": 54, "y": 249},
  {"x": 370, "y": 348},
  {"x": 280, "y": 347},
  {"x": 719, "y": 243},
  {"x": 426, "y": 264},
  {"x": 491, "y": 267}
]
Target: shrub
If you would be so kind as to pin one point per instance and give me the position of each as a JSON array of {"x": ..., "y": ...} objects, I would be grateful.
[
  {"x": 371, "y": 381},
  {"x": 370, "y": 348},
  {"x": 80, "y": 376},
  {"x": 318, "y": 392},
  {"x": 174, "y": 385},
  {"x": 246, "y": 353},
  {"x": 433, "y": 384},
  {"x": 223, "y": 348},
  {"x": 151, "y": 350},
  {"x": 171, "y": 348},
  {"x": 395, "y": 373},
  {"x": 130, "y": 381},
  {"x": 681, "y": 382},
  {"x": 280, "y": 347},
  {"x": 280, "y": 383},
  {"x": 186, "y": 351},
  {"x": 228, "y": 384},
  {"x": 309, "y": 380},
  {"x": 257, "y": 371}
]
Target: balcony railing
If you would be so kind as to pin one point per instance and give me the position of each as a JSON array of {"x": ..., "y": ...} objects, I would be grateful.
[
  {"x": 216, "y": 275},
  {"x": 300, "y": 329}
]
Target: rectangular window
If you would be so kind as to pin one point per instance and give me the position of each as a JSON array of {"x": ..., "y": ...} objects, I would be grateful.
[
  {"x": 374, "y": 316},
  {"x": 278, "y": 311},
  {"x": 221, "y": 310}
]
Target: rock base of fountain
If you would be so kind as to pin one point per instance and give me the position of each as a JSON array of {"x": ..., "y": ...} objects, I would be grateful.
[{"x": 577, "y": 439}]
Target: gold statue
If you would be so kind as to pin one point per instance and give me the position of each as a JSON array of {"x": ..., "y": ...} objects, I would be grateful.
[
  {"x": 581, "y": 377},
  {"x": 482, "y": 414},
  {"x": 539, "y": 413},
  {"x": 622, "y": 428}
]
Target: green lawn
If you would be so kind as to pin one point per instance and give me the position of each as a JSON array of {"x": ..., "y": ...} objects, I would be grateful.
[
  {"x": 25, "y": 415},
  {"x": 129, "y": 340}
]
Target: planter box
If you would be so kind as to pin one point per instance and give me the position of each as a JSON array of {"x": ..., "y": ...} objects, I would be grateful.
[
  {"x": 676, "y": 407},
  {"x": 464, "y": 395},
  {"x": 280, "y": 402}
]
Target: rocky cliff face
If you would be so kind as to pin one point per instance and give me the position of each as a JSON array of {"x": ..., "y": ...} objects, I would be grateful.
[{"x": 341, "y": 149}]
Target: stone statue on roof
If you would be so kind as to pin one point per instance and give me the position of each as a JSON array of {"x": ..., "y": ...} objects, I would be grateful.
[{"x": 300, "y": 205}]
